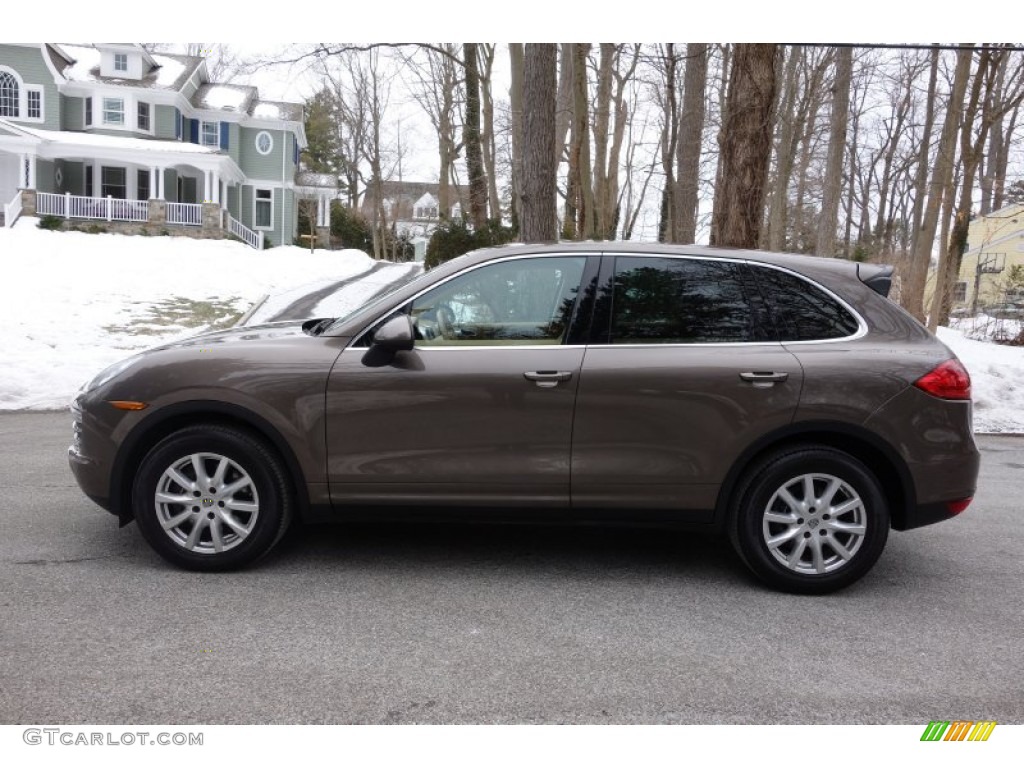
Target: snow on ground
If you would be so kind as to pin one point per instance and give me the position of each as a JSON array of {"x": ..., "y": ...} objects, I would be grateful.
[
  {"x": 997, "y": 381},
  {"x": 72, "y": 303}
]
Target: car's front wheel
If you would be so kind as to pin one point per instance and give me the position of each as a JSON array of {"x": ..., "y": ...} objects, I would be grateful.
[
  {"x": 211, "y": 498},
  {"x": 810, "y": 519}
]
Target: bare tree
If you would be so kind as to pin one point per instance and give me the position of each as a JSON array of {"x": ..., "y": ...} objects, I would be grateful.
[
  {"x": 941, "y": 181},
  {"x": 691, "y": 135},
  {"x": 471, "y": 139},
  {"x": 515, "y": 52},
  {"x": 745, "y": 143},
  {"x": 825, "y": 242},
  {"x": 537, "y": 207}
]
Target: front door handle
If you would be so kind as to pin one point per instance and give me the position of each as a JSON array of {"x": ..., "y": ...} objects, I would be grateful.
[
  {"x": 763, "y": 377},
  {"x": 547, "y": 379}
]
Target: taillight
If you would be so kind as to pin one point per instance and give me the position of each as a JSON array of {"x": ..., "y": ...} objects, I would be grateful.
[
  {"x": 956, "y": 507},
  {"x": 950, "y": 381}
]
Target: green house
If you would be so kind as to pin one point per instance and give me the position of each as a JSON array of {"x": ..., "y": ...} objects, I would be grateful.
[{"x": 113, "y": 132}]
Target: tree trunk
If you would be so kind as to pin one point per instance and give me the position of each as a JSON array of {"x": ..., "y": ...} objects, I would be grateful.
[
  {"x": 941, "y": 179},
  {"x": 563, "y": 113},
  {"x": 691, "y": 135},
  {"x": 585, "y": 224},
  {"x": 746, "y": 147},
  {"x": 537, "y": 207},
  {"x": 825, "y": 242},
  {"x": 786, "y": 155},
  {"x": 471, "y": 140},
  {"x": 602, "y": 121},
  {"x": 487, "y": 142},
  {"x": 515, "y": 52}
]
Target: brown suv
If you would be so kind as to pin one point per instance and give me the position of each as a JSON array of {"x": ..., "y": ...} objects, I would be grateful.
[{"x": 781, "y": 399}]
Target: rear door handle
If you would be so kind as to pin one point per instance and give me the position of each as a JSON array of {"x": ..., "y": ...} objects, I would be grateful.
[
  {"x": 763, "y": 377},
  {"x": 547, "y": 379}
]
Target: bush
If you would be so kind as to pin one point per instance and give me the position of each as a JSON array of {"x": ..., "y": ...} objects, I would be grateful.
[
  {"x": 267, "y": 242},
  {"x": 349, "y": 228},
  {"x": 454, "y": 238},
  {"x": 51, "y": 223}
]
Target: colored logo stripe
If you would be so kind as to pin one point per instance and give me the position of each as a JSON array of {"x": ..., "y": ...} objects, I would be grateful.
[
  {"x": 982, "y": 730},
  {"x": 958, "y": 730}
]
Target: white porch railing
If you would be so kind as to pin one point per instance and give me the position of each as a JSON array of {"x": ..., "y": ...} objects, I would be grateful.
[
  {"x": 108, "y": 208},
  {"x": 242, "y": 232},
  {"x": 190, "y": 214},
  {"x": 12, "y": 210}
]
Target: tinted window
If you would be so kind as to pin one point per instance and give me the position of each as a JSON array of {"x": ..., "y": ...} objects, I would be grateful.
[
  {"x": 681, "y": 301},
  {"x": 802, "y": 311},
  {"x": 521, "y": 301}
]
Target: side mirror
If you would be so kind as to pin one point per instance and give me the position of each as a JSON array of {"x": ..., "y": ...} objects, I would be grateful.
[{"x": 394, "y": 336}]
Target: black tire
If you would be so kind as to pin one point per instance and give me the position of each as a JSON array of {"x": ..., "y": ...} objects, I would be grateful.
[
  {"x": 820, "y": 564},
  {"x": 249, "y": 462}
]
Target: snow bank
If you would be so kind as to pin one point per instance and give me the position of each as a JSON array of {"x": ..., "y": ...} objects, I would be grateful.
[
  {"x": 997, "y": 381},
  {"x": 72, "y": 303}
]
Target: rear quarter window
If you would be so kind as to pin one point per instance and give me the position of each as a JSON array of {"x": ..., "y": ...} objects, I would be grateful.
[{"x": 801, "y": 310}]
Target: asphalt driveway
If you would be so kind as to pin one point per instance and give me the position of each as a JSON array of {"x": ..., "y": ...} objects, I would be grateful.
[{"x": 443, "y": 624}]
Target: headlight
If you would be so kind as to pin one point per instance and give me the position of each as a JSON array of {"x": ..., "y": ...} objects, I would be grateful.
[{"x": 108, "y": 373}]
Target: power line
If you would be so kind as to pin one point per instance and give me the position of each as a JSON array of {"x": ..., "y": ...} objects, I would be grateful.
[{"x": 913, "y": 46}]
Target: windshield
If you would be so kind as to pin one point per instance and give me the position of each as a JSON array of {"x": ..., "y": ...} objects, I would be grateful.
[{"x": 378, "y": 301}]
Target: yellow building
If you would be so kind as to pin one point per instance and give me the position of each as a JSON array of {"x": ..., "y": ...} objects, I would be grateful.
[{"x": 997, "y": 241}]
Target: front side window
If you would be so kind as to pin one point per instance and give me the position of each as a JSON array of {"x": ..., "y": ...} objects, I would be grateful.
[
  {"x": 515, "y": 302},
  {"x": 113, "y": 111},
  {"x": 35, "y": 104},
  {"x": 659, "y": 300},
  {"x": 113, "y": 182},
  {"x": 802, "y": 311},
  {"x": 10, "y": 104},
  {"x": 88, "y": 111},
  {"x": 210, "y": 134},
  {"x": 121, "y": 62},
  {"x": 264, "y": 216},
  {"x": 143, "y": 116}
]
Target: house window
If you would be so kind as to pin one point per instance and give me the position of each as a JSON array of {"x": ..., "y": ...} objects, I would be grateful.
[
  {"x": 35, "y": 104},
  {"x": 143, "y": 184},
  {"x": 143, "y": 116},
  {"x": 113, "y": 111},
  {"x": 9, "y": 97},
  {"x": 120, "y": 62},
  {"x": 264, "y": 215},
  {"x": 960, "y": 291},
  {"x": 88, "y": 181},
  {"x": 114, "y": 183},
  {"x": 88, "y": 111},
  {"x": 210, "y": 134},
  {"x": 264, "y": 143}
]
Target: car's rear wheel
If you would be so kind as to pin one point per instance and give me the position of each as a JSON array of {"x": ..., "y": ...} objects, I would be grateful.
[
  {"x": 211, "y": 498},
  {"x": 810, "y": 519}
]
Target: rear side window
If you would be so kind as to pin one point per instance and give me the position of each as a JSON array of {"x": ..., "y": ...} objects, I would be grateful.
[
  {"x": 684, "y": 301},
  {"x": 802, "y": 311}
]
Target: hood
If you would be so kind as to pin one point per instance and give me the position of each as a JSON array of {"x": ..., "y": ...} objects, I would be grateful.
[{"x": 246, "y": 334}]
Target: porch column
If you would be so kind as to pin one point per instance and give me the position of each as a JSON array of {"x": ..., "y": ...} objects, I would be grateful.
[
  {"x": 216, "y": 187},
  {"x": 22, "y": 171},
  {"x": 97, "y": 180},
  {"x": 154, "y": 193}
]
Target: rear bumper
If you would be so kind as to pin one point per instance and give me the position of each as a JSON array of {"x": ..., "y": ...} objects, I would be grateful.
[{"x": 935, "y": 440}]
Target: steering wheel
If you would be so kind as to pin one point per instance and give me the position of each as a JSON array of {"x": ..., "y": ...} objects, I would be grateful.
[{"x": 445, "y": 323}]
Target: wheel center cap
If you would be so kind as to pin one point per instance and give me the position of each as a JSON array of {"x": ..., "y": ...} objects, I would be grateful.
[
  {"x": 812, "y": 523},
  {"x": 207, "y": 502}
]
